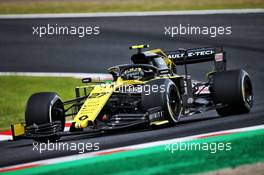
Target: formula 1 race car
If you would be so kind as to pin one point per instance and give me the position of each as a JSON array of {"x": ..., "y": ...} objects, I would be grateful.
[{"x": 148, "y": 92}]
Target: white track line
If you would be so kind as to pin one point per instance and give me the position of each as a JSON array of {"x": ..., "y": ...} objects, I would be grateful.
[
  {"x": 57, "y": 74},
  {"x": 134, "y": 147},
  {"x": 122, "y": 14}
]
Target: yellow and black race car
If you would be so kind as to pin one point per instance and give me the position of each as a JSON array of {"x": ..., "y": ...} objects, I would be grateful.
[{"x": 147, "y": 92}]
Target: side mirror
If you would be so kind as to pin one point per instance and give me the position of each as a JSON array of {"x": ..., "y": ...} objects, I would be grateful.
[
  {"x": 87, "y": 80},
  {"x": 95, "y": 80},
  {"x": 91, "y": 80}
]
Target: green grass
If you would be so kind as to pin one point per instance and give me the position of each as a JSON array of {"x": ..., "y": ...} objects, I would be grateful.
[
  {"x": 82, "y": 6},
  {"x": 15, "y": 90},
  {"x": 247, "y": 148}
]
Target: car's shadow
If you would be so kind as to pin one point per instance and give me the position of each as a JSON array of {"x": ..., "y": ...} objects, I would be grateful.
[
  {"x": 130, "y": 130},
  {"x": 139, "y": 129}
]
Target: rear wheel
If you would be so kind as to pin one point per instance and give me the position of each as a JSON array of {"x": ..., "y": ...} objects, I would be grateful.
[
  {"x": 168, "y": 98},
  {"x": 43, "y": 108},
  {"x": 233, "y": 89}
]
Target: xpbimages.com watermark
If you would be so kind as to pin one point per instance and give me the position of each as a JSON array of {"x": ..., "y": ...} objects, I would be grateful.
[
  {"x": 212, "y": 31},
  {"x": 58, "y": 30},
  {"x": 212, "y": 147},
  {"x": 65, "y": 146},
  {"x": 145, "y": 89}
]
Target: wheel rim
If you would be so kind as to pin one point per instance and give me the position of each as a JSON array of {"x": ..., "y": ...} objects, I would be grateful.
[
  {"x": 247, "y": 91},
  {"x": 173, "y": 104},
  {"x": 57, "y": 112}
]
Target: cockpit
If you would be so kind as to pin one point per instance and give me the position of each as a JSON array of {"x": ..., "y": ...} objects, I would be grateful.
[{"x": 146, "y": 65}]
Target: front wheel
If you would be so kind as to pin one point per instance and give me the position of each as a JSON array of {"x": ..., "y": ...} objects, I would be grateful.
[{"x": 44, "y": 108}]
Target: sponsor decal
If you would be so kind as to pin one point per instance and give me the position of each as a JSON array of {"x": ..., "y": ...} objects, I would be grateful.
[
  {"x": 191, "y": 54},
  {"x": 219, "y": 57}
]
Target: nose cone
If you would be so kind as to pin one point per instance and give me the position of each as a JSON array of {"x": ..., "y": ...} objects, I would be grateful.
[{"x": 82, "y": 124}]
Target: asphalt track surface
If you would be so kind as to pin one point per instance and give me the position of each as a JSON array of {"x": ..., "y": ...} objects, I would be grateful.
[{"x": 21, "y": 51}]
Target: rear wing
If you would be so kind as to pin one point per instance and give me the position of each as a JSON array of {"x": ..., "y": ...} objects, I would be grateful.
[{"x": 199, "y": 55}]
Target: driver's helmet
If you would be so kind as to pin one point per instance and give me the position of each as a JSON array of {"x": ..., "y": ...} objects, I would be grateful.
[
  {"x": 151, "y": 59},
  {"x": 133, "y": 74}
]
